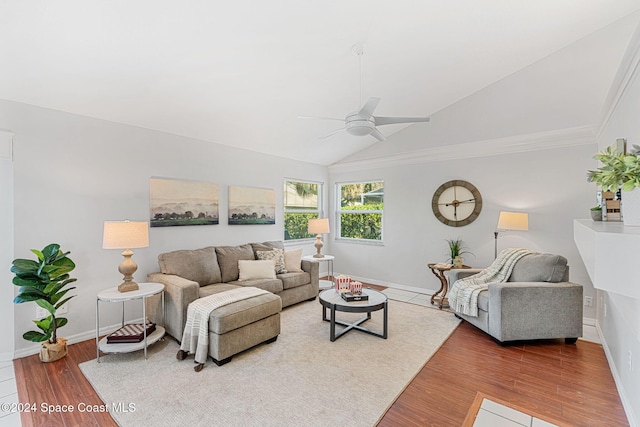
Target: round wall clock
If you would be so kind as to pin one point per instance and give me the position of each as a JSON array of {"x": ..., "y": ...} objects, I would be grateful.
[{"x": 456, "y": 203}]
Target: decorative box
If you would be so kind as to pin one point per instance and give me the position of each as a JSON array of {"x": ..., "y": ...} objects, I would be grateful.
[{"x": 131, "y": 333}]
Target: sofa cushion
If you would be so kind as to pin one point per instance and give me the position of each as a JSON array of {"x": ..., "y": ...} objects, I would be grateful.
[
  {"x": 293, "y": 261},
  {"x": 199, "y": 265},
  {"x": 539, "y": 268},
  {"x": 266, "y": 246},
  {"x": 277, "y": 256},
  {"x": 228, "y": 257},
  {"x": 269, "y": 285},
  {"x": 294, "y": 279},
  {"x": 251, "y": 269}
]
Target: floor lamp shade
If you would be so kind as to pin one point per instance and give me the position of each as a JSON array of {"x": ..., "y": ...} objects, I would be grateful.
[
  {"x": 510, "y": 221},
  {"x": 126, "y": 235},
  {"x": 318, "y": 226},
  {"x": 513, "y": 221}
]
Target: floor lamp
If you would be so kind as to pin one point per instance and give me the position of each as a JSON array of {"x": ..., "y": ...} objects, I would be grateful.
[{"x": 510, "y": 221}]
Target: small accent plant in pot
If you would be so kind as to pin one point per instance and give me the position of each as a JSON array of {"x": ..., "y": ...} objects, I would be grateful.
[
  {"x": 620, "y": 171},
  {"x": 45, "y": 281},
  {"x": 457, "y": 248},
  {"x": 596, "y": 213}
]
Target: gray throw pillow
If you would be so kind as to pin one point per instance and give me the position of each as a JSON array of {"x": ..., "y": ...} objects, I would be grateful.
[
  {"x": 539, "y": 268},
  {"x": 199, "y": 265},
  {"x": 228, "y": 257}
]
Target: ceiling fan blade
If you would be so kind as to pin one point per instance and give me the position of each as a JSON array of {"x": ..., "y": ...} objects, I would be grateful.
[
  {"x": 368, "y": 108},
  {"x": 378, "y": 135},
  {"x": 331, "y": 133},
  {"x": 320, "y": 118},
  {"x": 393, "y": 120}
]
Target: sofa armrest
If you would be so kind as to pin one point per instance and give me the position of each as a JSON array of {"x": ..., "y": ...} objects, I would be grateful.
[
  {"x": 535, "y": 310},
  {"x": 461, "y": 273},
  {"x": 313, "y": 268},
  {"x": 178, "y": 294}
]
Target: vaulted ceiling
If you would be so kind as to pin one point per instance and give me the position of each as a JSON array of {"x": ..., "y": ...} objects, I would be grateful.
[{"x": 240, "y": 73}]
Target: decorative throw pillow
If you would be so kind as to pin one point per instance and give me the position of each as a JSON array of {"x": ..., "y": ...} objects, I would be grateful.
[
  {"x": 256, "y": 269},
  {"x": 277, "y": 255},
  {"x": 293, "y": 260}
]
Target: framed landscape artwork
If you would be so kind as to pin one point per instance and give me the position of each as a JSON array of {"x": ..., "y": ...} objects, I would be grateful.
[
  {"x": 176, "y": 202},
  {"x": 250, "y": 205}
]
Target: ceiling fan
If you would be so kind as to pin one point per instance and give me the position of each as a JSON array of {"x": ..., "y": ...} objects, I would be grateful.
[{"x": 363, "y": 122}]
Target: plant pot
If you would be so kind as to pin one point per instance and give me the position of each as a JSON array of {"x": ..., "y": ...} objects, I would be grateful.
[
  {"x": 631, "y": 207},
  {"x": 596, "y": 215},
  {"x": 457, "y": 262},
  {"x": 52, "y": 352}
]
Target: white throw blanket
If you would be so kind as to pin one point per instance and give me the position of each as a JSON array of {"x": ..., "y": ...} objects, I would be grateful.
[
  {"x": 195, "y": 338},
  {"x": 463, "y": 295}
]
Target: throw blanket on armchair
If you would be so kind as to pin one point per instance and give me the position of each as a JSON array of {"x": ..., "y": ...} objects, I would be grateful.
[
  {"x": 195, "y": 338},
  {"x": 463, "y": 296}
]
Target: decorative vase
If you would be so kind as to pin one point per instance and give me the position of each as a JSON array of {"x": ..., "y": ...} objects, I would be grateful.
[
  {"x": 631, "y": 207},
  {"x": 457, "y": 262},
  {"x": 52, "y": 352},
  {"x": 596, "y": 215}
]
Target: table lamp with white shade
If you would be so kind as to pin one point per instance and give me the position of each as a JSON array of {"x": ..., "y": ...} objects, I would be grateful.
[
  {"x": 126, "y": 235},
  {"x": 510, "y": 221},
  {"x": 318, "y": 226}
]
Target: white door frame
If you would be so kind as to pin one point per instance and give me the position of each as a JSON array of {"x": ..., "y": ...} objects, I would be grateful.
[{"x": 7, "y": 291}]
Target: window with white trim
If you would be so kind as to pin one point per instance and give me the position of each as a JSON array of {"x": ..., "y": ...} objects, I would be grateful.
[
  {"x": 360, "y": 210},
  {"x": 302, "y": 202}
]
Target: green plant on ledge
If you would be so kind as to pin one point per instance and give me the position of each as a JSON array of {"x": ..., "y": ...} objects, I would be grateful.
[
  {"x": 596, "y": 208},
  {"x": 617, "y": 170},
  {"x": 43, "y": 281}
]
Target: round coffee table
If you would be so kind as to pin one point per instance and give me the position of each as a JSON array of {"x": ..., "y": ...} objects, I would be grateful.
[{"x": 330, "y": 299}]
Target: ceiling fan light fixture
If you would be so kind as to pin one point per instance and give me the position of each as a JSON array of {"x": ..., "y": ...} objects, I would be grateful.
[{"x": 359, "y": 126}]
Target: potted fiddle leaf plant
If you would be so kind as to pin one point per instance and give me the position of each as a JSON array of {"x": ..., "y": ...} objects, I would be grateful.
[
  {"x": 620, "y": 171},
  {"x": 45, "y": 281}
]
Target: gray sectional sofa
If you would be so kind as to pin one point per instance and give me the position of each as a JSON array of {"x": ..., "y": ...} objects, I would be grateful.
[
  {"x": 191, "y": 274},
  {"x": 536, "y": 302}
]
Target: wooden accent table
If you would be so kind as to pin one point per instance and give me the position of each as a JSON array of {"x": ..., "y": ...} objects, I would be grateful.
[{"x": 440, "y": 296}]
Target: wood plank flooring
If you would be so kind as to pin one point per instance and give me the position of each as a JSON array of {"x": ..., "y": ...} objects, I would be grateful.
[{"x": 570, "y": 383}]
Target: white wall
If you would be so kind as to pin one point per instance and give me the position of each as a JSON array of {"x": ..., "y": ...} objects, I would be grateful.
[
  {"x": 620, "y": 327},
  {"x": 548, "y": 184},
  {"x": 72, "y": 173},
  {"x": 6, "y": 246}
]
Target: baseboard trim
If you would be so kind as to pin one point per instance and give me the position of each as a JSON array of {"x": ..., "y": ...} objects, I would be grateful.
[
  {"x": 628, "y": 409},
  {"x": 588, "y": 321}
]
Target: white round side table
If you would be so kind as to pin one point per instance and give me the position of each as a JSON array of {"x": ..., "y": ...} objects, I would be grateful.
[
  {"x": 324, "y": 284},
  {"x": 113, "y": 295}
]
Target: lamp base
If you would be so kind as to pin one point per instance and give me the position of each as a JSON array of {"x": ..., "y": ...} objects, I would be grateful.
[
  {"x": 318, "y": 246},
  {"x": 128, "y": 286},
  {"x": 127, "y": 268}
]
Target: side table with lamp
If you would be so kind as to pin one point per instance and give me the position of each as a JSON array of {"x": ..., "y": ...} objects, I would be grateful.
[{"x": 127, "y": 235}]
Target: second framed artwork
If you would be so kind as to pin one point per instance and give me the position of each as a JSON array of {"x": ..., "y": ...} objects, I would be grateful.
[{"x": 251, "y": 205}]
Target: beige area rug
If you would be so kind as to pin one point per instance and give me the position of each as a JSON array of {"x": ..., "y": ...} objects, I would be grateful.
[{"x": 302, "y": 379}]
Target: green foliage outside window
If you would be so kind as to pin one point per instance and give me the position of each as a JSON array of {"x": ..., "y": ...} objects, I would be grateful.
[
  {"x": 301, "y": 203},
  {"x": 362, "y": 225},
  {"x": 296, "y": 224}
]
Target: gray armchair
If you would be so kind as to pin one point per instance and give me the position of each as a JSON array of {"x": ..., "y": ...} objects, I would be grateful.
[{"x": 537, "y": 301}]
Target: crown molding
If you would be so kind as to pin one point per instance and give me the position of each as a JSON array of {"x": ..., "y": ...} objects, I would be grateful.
[
  {"x": 492, "y": 147},
  {"x": 6, "y": 144},
  {"x": 624, "y": 77}
]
